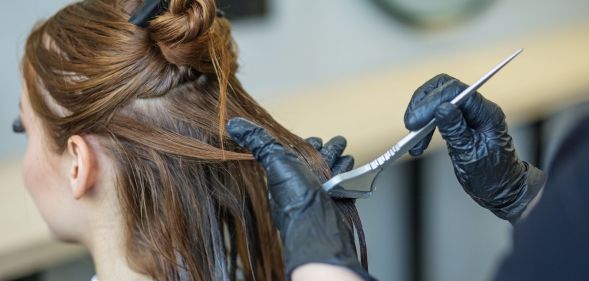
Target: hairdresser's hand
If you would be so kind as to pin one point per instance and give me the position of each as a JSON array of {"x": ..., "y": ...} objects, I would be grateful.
[
  {"x": 482, "y": 152},
  {"x": 332, "y": 152},
  {"x": 311, "y": 227}
]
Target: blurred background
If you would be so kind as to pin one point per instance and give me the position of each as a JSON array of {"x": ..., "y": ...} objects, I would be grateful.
[{"x": 349, "y": 67}]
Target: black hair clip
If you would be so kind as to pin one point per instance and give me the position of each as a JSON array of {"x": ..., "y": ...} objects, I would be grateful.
[
  {"x": 151, "y": 9},
  {"x": 148, "y": 11}
]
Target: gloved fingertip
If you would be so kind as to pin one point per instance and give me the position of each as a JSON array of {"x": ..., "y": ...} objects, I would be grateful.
[
  {"x": 237, "y": 128},
  {"x": 341, "y": 139},
  {"x": 338, "y": 143},
  {"x": 315, "y": 142},
  {"x": 421, "y": 146},
  {"x": 412, "y": 122},
  {"x": 254, "y": 138},
  {"x": 344, "y": 164},
  {"x": 415, "y": 152},
  {"x": 441, "y": 79},
  {"x": 333, "y": 149},
  {"x": 348, "y": 160},
  {"x": 422, "y": 114},
  {"x": 427, "y": 87}
]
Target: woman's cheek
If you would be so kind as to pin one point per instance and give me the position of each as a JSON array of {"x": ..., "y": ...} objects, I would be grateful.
[
  {"x": 29, "y": 172},
  {"x": 37, "y": 180}
]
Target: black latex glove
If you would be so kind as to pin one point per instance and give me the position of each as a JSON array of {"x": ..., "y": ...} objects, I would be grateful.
[
  {"x": 311, "y": 227},
  {"x": 332, "y": 152},
  {"x": 482, "y": 152}
]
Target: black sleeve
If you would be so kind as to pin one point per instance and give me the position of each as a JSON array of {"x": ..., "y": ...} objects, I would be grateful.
[{"x": 552, "y": 243}]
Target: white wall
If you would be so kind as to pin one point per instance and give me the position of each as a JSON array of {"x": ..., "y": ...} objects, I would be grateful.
[
  {"x": 18, "y": 18},
  {"x": 307, "y": 42}
]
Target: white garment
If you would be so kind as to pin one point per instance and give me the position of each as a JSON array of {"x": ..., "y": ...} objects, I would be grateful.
[{"x": 94, "y": 278}]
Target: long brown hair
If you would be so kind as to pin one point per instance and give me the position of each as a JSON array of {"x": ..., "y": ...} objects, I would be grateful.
[{"x": 195, "y": 206}]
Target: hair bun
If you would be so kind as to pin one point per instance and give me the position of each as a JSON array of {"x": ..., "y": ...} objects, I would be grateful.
[{"x": 181, "y": 32}]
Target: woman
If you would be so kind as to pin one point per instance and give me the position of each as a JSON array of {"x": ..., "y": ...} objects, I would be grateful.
[{"x": 127, "y": 152}]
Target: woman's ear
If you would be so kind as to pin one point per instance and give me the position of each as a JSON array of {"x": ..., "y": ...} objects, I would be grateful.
[{"x": 83, "y": 170}]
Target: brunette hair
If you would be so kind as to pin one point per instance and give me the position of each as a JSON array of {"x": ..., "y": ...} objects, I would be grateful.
[{"x": 158, "y": 99}]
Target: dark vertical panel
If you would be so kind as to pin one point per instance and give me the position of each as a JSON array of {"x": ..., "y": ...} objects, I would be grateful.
[
  {"x": 415, "y": 221},
  {"x": 537, "y": 143},
  {"x": 240, "y": 9}
]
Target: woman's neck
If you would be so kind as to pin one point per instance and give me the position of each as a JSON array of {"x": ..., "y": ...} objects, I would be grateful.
[{"x": 106, "y": 244}]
